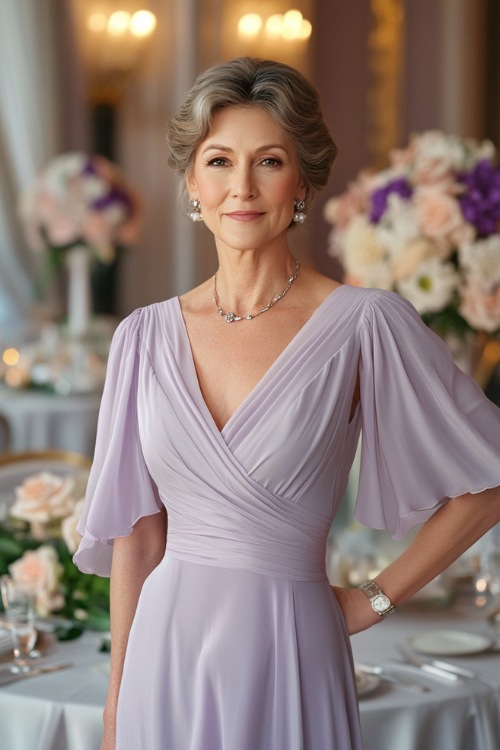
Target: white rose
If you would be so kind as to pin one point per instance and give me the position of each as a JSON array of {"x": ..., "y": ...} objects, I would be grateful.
[
  {"x": 361, "y": 247},
  {"x": 436, "y": 156},
  {"x": 482, "y": 259},
  {"x": 398, "y": 227}
]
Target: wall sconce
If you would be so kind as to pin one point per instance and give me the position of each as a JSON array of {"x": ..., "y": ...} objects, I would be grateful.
[
  {"x": 114, "y": 41},
  {"x": 289, "y": 26}
]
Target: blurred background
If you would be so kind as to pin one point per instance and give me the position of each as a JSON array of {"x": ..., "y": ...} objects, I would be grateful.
[
  {"x": 100, "y": 78},
  {"x": 75, "y": 76}
]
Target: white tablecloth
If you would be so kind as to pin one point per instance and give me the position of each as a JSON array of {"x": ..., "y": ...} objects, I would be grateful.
[
  {"x": 62, "y": 711},
  {"x": 39, "y": 421},
  {"x": 448, "y": 717}
]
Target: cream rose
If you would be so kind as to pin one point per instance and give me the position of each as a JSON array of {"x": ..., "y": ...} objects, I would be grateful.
[
  {"x": 68, "y": 527},
  {"x": 480, "y": 306},
  {"x": 361, "y": 247},
  {"x": 43, "y": 498},
  {"x": 439, "y": 215},
  {"x": 40, "y": 569},
  {"x": 409, "y": 259}
]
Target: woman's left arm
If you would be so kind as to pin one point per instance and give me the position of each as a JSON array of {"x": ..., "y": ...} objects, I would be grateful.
[{"x": 448, "y": 533}]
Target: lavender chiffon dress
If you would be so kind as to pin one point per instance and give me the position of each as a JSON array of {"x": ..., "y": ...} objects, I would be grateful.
[{"x": 238, "y": 643}]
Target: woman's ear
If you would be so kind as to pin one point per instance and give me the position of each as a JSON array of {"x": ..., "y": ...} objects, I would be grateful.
[{"x": 191, "y": 185}]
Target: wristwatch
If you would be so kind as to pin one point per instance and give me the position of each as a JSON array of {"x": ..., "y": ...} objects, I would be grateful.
[{"x": 381, "y": 604}]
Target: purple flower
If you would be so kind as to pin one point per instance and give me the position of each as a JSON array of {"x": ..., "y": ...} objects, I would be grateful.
[
  {"x": 480, "y": 202},
  {"x": 380, "y": 197}
]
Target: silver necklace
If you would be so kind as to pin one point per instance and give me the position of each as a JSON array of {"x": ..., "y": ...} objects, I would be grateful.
[{"x": 233, "y": 318}]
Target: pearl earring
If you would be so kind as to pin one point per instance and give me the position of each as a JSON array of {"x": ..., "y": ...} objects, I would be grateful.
[
  {"x": 195, "y": 210},
  {"x": 299, "y": 216}
]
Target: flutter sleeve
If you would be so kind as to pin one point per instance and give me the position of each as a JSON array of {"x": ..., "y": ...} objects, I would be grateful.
[
  {"x": 120, "y": 489},
  {"x": 428, "y": 431}
]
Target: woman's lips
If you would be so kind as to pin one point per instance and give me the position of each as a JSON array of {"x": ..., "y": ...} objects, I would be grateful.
[{"x": 245, "y": 215}]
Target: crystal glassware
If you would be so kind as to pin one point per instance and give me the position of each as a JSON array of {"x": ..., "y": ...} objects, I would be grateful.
[{"x": 19, "y": 606}]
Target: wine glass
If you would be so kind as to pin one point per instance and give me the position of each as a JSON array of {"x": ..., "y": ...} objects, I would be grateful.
[{"x": 19, "y": 604}]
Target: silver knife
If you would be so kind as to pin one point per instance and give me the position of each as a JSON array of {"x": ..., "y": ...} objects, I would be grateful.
[
  {"x": 430, "y": 669},
  {"x": 8, "y": 676},
  {"x": 462, "y": 671}
]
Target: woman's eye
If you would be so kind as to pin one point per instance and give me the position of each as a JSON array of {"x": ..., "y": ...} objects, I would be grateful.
[
  {"x": 271, "y": 161},
  {"x": 218, "y": 162}
]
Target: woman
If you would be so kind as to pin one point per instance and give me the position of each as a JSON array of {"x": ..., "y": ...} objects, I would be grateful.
[{"x": 236, "y": 410}]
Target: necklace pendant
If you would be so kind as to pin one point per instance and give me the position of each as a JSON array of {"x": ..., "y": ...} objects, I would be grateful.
[{"x": 230, "y": 317}]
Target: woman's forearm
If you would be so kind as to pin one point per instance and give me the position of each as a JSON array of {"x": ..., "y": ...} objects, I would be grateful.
[{"x": 441, "y": 540}]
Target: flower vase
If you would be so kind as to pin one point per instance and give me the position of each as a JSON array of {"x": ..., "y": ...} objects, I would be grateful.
[{"x": 78, "y": 262}]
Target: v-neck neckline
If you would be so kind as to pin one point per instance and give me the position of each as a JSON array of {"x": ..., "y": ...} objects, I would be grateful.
[{"x": 265, "y": 377}]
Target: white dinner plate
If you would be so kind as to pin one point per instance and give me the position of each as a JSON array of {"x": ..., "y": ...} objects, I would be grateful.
[
  {"x": 449, "y": 643},
  {"x": 365, "y": 683}
]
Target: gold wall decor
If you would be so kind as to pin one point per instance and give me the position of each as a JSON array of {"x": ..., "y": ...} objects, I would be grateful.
[{"x": 386, "y": 61}]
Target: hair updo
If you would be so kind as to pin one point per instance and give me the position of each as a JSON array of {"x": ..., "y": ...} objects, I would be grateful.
[{"x": 279, "y": 89}]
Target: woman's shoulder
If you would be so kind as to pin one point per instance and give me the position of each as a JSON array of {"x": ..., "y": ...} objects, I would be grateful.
[{"x": 144, "y": 321}]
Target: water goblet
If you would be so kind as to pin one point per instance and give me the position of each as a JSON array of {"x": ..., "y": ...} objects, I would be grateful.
[{"x": 19, "y": 604}]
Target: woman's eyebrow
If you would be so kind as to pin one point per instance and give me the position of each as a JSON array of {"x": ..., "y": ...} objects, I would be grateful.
[{"x": 227, "y": 149}]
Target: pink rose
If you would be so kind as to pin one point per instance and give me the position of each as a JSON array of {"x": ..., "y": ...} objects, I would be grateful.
[
  {"x": 96, "y": 228},
  {"x": 479, "y": 306},
  {"x": 355, "y": 200},
  {"x": 43, "y": 498},
  {"x": 439, "y": 214},
  {"x": 62, "y": 230},
  {"x": 40, "y": 570}
]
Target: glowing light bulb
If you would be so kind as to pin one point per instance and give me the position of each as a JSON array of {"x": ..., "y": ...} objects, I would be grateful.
[
  {"x": 250, "y": 24},
  {"x": 142, "y": 23},
  {"x": 118, "y": 22},
  {"x": 11, "y": 357},
  {"x": 292, "y": 21},
  {"x": 274, "y": 26},
  {"x": 305, "y": 29}
]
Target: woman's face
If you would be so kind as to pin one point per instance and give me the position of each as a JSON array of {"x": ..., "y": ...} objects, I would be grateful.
[{"x": 246, "y": 177}]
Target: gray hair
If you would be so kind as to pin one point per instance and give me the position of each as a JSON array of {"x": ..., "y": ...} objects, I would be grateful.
[{"x": 279, "y": 89}]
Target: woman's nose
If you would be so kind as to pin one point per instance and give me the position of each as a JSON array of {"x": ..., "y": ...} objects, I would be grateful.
[{"x": 244, "y": 184}]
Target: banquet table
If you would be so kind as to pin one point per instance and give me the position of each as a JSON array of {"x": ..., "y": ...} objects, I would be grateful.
[
  {"x": 43, "y": 421},
  {"x": 65, "y": 708}
]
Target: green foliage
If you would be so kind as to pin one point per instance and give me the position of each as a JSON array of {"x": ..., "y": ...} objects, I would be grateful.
[{"x": 86, "y": 597}]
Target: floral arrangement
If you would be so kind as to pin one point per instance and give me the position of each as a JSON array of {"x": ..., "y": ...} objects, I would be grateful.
[
  {"x": 427, "y": 227},
  {"x": 80, "y": 200},
  {"x": 37, "y": 541}
]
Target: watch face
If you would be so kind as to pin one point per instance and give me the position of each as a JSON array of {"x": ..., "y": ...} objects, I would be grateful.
[{"x": 380, "y": 603}]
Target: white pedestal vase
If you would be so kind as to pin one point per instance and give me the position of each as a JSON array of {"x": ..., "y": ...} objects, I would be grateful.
[{"x": 79, "y": 295}]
